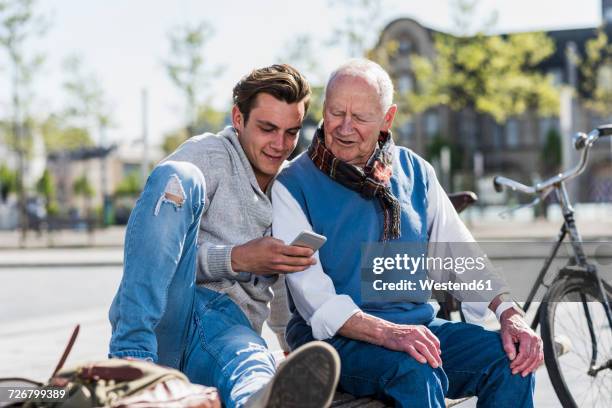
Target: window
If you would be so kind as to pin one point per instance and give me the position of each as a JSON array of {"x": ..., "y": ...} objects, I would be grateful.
[
  {"x": 467, "y": 128},
  {"x": 432, "y": 124},
  {"x": 405, "y": 46},
  {"x": 512, "y": 133},
  {"x": 608, "y": 14},
  {"x": 498, "y": 136},
  {"x": 407, "y": 128},
  {"x": 546, "y": 125}
]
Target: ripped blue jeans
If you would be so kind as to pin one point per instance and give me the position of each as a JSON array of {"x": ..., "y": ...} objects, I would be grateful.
[{"x": 161, "y": 315}]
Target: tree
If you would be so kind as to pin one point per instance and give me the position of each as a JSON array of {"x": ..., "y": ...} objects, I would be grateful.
[
  {"x": 489, "y": 74},
  {"x": 315, "y": 109},
  {"x": 208, "y": 119},
  {"x": 82, "y": 188},
  {"x": 300, "y": 53},
  {"x": 357, "y": 32},
  {"x": 87, "y": 109},
  {"x": 174, "y": 139},
  {"x": 87, "y": 106},
  {"x": 473, "y": 72},
  {"x": 8, "y": 182},
  {"x": 550, "y": 157},
  {"x": 59, "y": 136},
  {"x": 129, "y": 186},
  {"x": 596, "y": 70},
  {"x": 186, "y": 65},
  {"x": 18, "y": 24},
  {"x": 492, "y": 75},
  {"x": 434, "y": 150},
  {"x": 45, "y": 186}
]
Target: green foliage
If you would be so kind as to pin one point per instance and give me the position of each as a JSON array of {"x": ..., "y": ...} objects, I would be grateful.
[
  {"x": 302, "y": 53},
  {"x": 550, "y": 155},
  {"x": 86, "y": 103},
  {"x": 82, "y": 187},
  {"x": 59, "y": 136},
  {"x": 315, "y": 109},
  {"x": 596, "y": 70},
  {"x": 130, "y": 186},
  {"x": 434, "y": 148},
  {"x": 45, "y": 186},
  {"x": 173, "y": 139},
  {"x": 8, "y": 182},
  {"x": 53, "y": 209},
  {"x": 186, "y": 65},
  {"x": 493, "y": 75},
  {"x": 356, "y": 30},
  {"x": 208, "y": 119},
  {"x": 19, "y": 23}
]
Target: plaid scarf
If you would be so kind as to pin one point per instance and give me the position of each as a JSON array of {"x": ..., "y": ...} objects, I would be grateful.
[{"x": 371, "y": 182}]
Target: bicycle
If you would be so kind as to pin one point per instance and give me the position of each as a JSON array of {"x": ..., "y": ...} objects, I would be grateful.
[{"x": 576, "y": 292}]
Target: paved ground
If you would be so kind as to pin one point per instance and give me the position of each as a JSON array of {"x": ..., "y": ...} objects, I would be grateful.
[{"x": 40, "y": 306}]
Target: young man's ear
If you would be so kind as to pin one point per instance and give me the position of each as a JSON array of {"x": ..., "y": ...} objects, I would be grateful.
[{"x": 237, "y": 119}]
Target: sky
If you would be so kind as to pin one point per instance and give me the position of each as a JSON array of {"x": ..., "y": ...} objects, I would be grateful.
[{"x": 124, "y": 43}]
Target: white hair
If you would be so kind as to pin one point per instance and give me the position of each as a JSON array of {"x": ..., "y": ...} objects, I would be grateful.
[{"x": 371, "y": 72}]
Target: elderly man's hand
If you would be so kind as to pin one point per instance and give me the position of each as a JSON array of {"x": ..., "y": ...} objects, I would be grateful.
[
  {"x": 514, "y": 330},
  {"x": 416, "y": 340},
  {"x": 267, "y": 255}
]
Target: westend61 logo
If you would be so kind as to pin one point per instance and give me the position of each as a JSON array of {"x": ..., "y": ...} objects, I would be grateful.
[
  {"x": 430, "y": 284},
  {"x": 411, "y": 264}
]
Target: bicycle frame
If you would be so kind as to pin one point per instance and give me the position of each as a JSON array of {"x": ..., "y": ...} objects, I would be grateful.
[{"x": 579, "y": 260}]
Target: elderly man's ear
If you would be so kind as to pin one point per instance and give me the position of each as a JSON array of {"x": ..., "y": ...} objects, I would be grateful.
[{"x": 389, "y": 116}]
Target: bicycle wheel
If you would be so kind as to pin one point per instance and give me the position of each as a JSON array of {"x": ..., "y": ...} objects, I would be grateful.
[{"x": 568, "y": 307}]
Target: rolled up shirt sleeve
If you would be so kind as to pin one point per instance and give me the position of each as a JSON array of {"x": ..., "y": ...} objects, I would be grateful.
[
  {"x": 445, "y": 226},
  {"x": 312, "y": 290}
]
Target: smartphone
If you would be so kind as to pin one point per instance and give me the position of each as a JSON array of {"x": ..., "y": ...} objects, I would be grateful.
[{"x": 310, "y": 240}]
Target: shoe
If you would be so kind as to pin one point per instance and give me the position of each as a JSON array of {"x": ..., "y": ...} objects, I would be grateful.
[{"x": 306, "y": 379}]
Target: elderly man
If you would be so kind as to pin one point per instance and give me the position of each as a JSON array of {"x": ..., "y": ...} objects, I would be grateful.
[
  {"x": 354, "y": 186},
  {"x": 204, "y": 212}
]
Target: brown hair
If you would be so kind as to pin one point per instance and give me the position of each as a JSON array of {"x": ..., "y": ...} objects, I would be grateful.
[{"x": 282, "y": 81}]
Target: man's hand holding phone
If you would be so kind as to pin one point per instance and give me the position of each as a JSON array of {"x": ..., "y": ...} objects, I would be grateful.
[{"x": 268, "y": 255}]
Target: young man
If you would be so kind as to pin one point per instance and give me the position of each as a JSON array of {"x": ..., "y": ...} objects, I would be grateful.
[
  {"x": 204, "y": 211},
  {"x": 356, "y": 187}
]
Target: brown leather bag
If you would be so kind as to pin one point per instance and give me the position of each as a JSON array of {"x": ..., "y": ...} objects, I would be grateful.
[{"x": 119, "y": 383}]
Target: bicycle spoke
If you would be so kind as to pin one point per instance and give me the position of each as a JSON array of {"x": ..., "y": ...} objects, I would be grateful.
[
  {"x": 571, "y": 319},
  {"x": 581, "y": 370},
  {"x": 580, "y": 351}
]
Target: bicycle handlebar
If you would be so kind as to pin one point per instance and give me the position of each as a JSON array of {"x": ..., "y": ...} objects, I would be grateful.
[
  {"x": 605, "y": 130},
  {"x": 581, "y": 141}
]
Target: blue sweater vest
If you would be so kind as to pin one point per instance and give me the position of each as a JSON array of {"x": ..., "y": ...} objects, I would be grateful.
[{"x": 349, "y": 220}]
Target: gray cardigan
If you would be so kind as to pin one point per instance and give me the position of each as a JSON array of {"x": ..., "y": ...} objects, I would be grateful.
[{"x": 236, "y": 211}]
